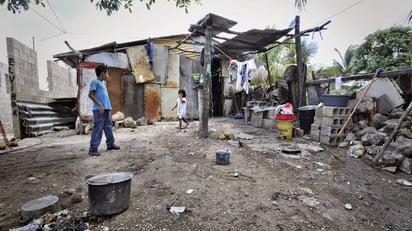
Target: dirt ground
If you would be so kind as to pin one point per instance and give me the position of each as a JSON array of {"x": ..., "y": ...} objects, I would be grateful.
[{"x": 272, "y": 191}]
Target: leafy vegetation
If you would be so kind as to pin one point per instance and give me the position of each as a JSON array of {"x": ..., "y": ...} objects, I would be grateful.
[
  {"x": 346, "y": 63},
  {"x": 280, "y": 57},
  {"x": 388, "y": 49},
  {"x": 110, "y": 6}
]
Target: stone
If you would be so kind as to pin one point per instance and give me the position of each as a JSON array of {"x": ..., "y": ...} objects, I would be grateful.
[
  {"x": 372, "y": 150},
  {"x": 379, "y": 120},
  {"x": 373, "y": 138},
  {"x": 299, "y": 132},
  {"x": 129, "y": 122},
  {"x": 76, "y": 198},
  {"x": 343, "y": 144},
  {"x": 406, "y": 133},
  {"x": 350, "y": 137},
  {"x": 388, "y": 128},
  {"x": 392, "y": 159},
  {"x": 69, "y": 191},
  {"x": 391, "y": 169},
  {"x": 117, "y": 116},
  {"x": 403, "y": 146},
  {"x": 141, "y": 121},
  {"x": 406, "y": 166},
  {"x": 396, "y": 113},
  {"x": 363, "y": 124}
]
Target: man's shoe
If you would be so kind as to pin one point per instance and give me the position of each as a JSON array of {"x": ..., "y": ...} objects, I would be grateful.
[
  {"x": 114, "y": 147},
  {"x": 94, "y": 153}
]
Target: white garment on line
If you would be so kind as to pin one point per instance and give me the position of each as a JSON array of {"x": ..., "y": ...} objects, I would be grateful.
[
  {"x": 338, "y": 83},
  {"x": 244, "y": 74}
]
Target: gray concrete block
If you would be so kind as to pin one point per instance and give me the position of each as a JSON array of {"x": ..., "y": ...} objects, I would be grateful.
[
  {"x": 332, "y": 130},
  {"x": 333, "y": 111},
  {"x": 269, "y": 123},
  {"x": 256, "y": 119},
  {"x": 315, "y": 132},
  {"x": 331, "y": 140},
  {"x": 331, "y": 121}
]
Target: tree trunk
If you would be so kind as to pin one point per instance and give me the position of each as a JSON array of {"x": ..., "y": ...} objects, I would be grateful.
[{"x": 204, "y": 94}]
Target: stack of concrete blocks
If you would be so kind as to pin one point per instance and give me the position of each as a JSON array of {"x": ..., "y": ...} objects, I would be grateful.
[
  {"x": 262, "y": 117},
  {"x": 327, "y": 124}
]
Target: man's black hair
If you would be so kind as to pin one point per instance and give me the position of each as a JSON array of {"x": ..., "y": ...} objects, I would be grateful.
[
  {"x": 101, "y": 69},
  {"x": 182, "y": 91}
]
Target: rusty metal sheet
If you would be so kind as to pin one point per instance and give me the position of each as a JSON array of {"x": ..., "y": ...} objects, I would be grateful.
[
  {"x": 139, "y": 62},
  {"x": 114, "y": 88},
  {"x": 86, "y": 75},
  {"x": 152, "y": 102}
]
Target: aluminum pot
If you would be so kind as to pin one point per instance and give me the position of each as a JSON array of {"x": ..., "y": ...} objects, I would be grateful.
[{"x": 109, "y": 193}]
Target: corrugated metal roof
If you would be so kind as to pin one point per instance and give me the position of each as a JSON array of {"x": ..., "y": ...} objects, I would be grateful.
[
  {"x": 190, "y": 45},
  {"x": 251, "y": 41},
  {"x": 72, "y": 59}
]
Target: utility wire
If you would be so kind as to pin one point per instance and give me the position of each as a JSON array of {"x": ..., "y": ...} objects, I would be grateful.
[
  {"x": 58, "y": 28},
  {"x": 55, "y": 15},
  {"x": 345, "y": 9}
]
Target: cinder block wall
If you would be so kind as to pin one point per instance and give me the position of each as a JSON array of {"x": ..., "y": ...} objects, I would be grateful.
[
  {"x": 26, "y": 82},
  {"x": 62, "y": 82},
  {"x": 5, "y": 105}
]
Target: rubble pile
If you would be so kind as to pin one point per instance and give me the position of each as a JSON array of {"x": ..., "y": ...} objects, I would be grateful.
[{"x": 366, "y": 139}]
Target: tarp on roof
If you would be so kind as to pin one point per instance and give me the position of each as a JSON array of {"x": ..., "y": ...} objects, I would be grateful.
[{"x": 252, "y": 41}]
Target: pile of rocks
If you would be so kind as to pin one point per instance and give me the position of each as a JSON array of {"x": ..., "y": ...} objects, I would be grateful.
[{"x": 367, "y": 138}]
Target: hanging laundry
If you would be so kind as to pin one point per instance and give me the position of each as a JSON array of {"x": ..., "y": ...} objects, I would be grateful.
[
  {"x": 150, "y": 49},
  {"x": 233, "y": 66},
  {"x": 245, "y": 72},
  {"x": 338, "y": 83}
]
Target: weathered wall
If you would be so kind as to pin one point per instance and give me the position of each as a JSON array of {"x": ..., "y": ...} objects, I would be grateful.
[
  {"x": 5, "y": 105},
  {"x": 133, "y": 95},
  {"x": 23, "y": 66},
  {"x": 188, "y": 67},
  {"x": 26, "y": 82},
  {"x": 62, "y": 82}
]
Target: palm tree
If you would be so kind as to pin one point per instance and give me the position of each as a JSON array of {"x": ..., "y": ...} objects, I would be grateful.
[
  {"x": 280, "y": 57},
  {"x": 346, "y": 63},
  {"x": 300, "y": 4}
]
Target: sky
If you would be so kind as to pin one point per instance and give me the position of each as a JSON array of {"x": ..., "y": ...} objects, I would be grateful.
[{"x": 84, "y": 26}]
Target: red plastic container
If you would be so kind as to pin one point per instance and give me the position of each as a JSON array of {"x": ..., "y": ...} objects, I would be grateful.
[{"x": 285, "y": 116}]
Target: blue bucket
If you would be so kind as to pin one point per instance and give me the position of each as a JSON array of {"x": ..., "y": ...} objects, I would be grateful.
[{"x": 222, "y": 157}]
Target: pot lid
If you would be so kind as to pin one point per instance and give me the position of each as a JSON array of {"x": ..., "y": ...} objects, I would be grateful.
[{"x": 109, "y": 178}]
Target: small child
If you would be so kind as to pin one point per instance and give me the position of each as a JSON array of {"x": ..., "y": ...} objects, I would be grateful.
[{"x": 181, "y": 108}]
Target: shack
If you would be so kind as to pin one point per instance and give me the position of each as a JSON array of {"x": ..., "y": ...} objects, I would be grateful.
[{"x": 146, "y": 74}]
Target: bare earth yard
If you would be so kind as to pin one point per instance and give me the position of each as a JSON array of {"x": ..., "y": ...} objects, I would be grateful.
[{"x": 270, "y": 191}]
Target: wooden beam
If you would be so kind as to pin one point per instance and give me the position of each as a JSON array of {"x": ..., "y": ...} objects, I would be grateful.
[
  {"x": 368, "y": 76},
  {"x": 201, "y": 28}
]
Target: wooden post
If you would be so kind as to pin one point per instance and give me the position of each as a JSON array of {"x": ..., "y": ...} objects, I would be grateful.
[
  {"x": 299, "y": 65},
  {"x": 267, "y": 65},
  {"x": 204, "y": 94}
]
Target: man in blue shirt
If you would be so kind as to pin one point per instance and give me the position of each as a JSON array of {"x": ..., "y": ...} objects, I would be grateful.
[{"x": 102, "y": 119}]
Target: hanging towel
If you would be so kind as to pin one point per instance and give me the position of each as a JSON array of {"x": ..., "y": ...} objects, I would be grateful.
[{"x": 338, "y": 83}]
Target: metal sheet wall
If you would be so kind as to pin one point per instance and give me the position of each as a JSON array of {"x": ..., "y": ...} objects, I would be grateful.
[
  {"x": 187, "y": 67},
  {"x": 152, "y": 102},
  {"x": 139, "y": 62},
  {"x": 133, "y": 95}
]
